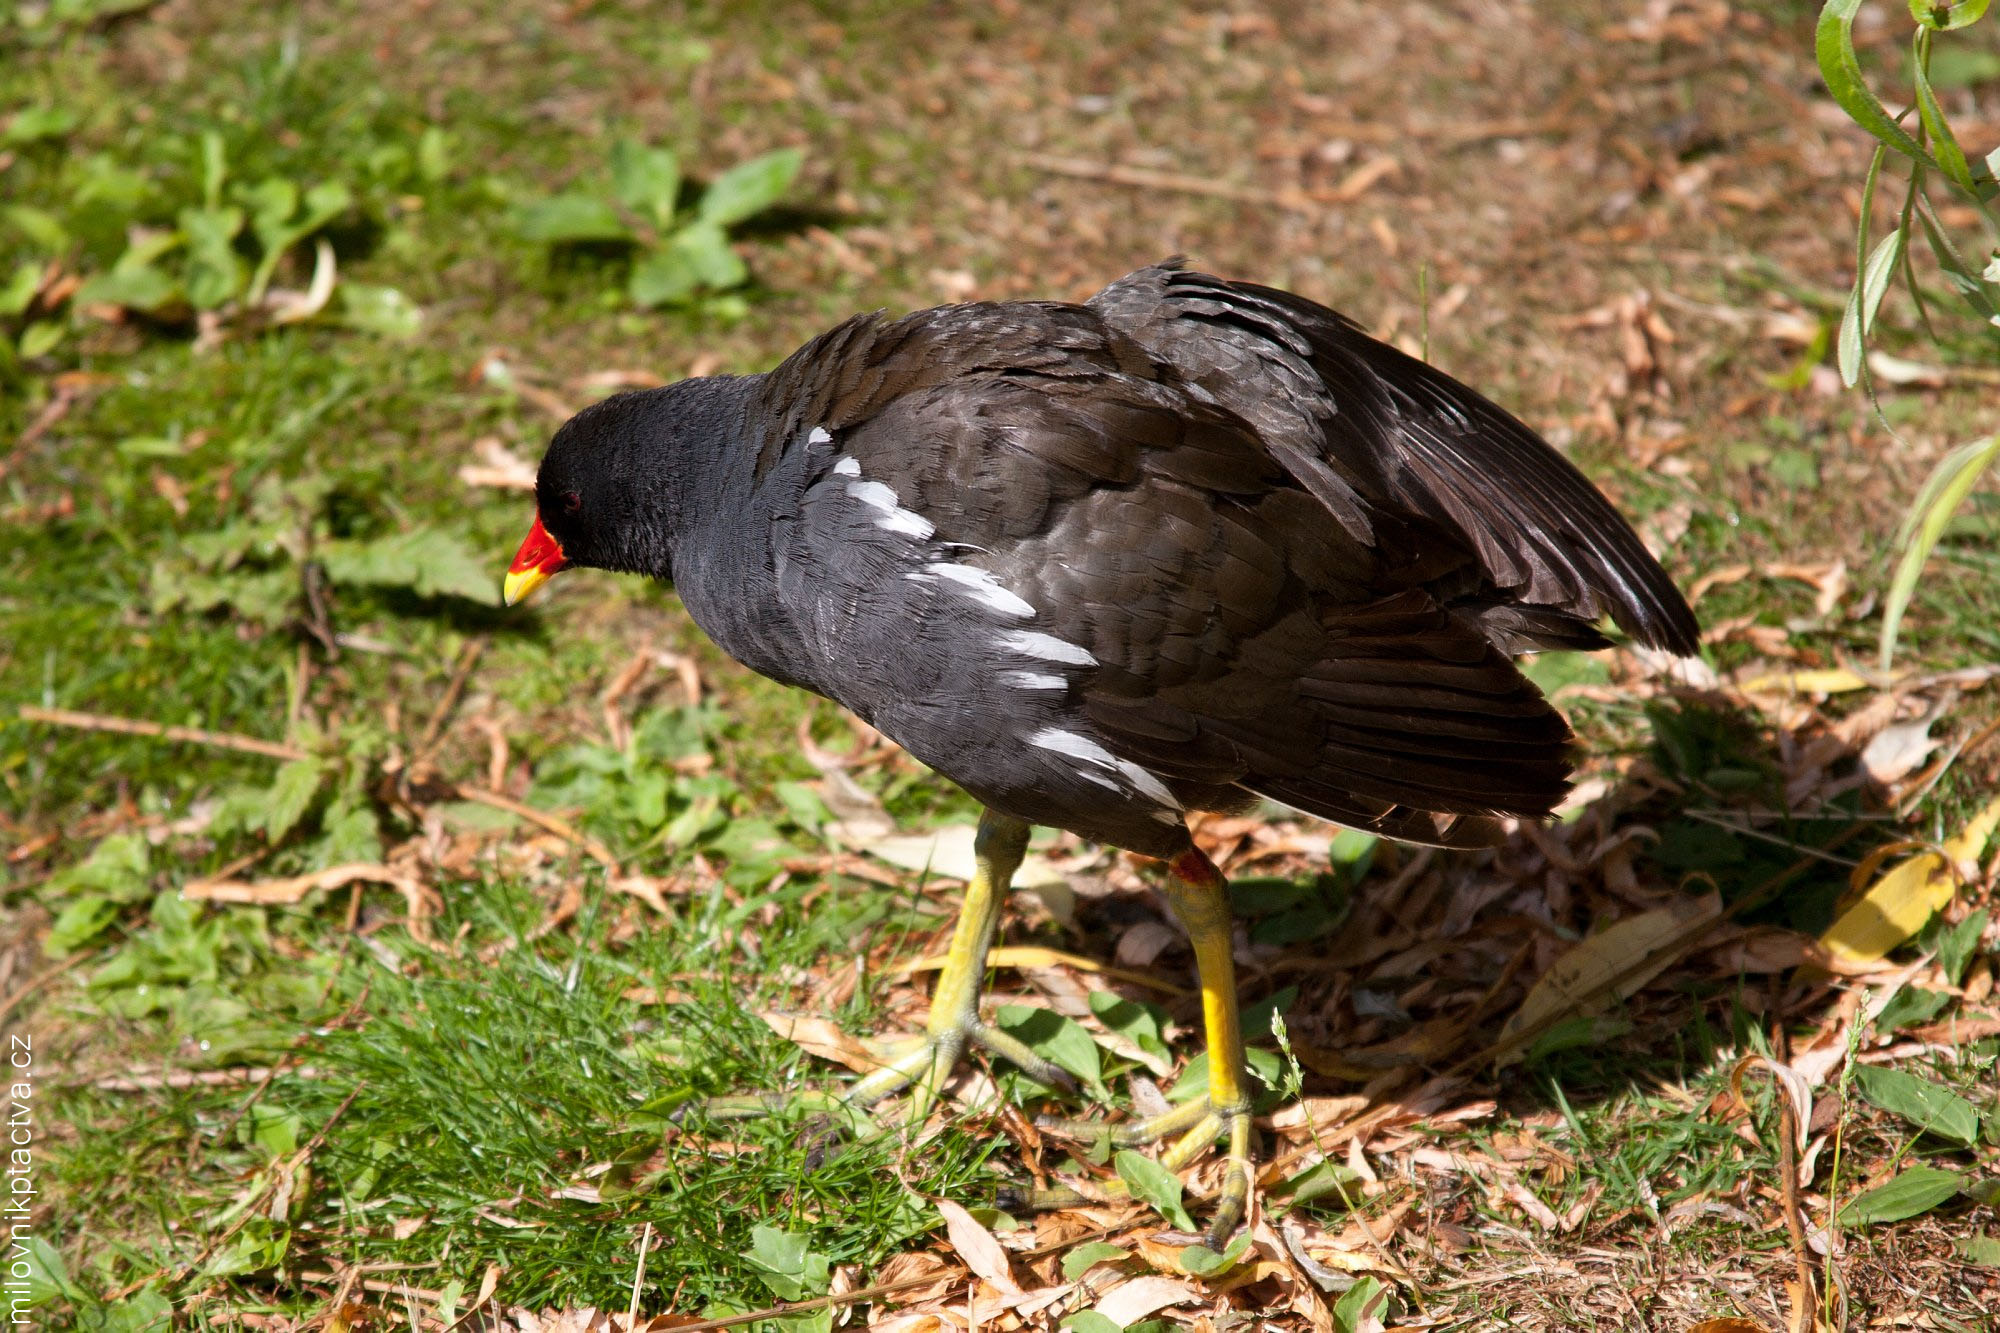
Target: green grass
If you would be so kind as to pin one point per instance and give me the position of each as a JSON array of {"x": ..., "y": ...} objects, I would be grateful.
[{"x": 434, "y": 1105}]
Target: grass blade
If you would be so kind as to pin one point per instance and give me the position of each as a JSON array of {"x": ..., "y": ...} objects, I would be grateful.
[{"x": 1944, "y": 490}]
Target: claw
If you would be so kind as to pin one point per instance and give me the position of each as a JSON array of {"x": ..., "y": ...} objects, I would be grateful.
[{"x": 1198, "y": 1125}]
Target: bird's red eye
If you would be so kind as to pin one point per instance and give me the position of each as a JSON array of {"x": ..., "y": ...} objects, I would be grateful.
[{"x": 572, "y": 502}]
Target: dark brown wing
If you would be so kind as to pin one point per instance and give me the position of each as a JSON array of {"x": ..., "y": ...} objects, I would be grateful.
[
  {"x": 1380, "y": 435},
  {"x": 1238, "y": 641}
]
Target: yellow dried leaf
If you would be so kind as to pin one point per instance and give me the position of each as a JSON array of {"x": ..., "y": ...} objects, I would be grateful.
[
  {"x": 1832, "y": 680},
  {"x": 1728, "y": 1326},
  {"x": 1614, "y": 963},
  {"x": 1898, "y": 904}
]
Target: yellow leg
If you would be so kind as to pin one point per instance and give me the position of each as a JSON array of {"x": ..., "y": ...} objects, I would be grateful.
[
  {"x": 1199, "y": 896},
  {"x": 954, "y": 1021}
]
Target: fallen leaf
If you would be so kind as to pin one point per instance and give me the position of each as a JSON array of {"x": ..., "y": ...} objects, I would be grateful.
[
  {"x": 976, "y": 1245},
  {"x": 1522, "y": 1198},
  {"x": 823, "y": 1038},
  {"x": 1134, "y": 1300},
  {"x": 1898, "y": 904},
  {"x": 1730, "y": 1325},
  {"x": 1833, "y": 680},
  {"x": 1897, "y": 750},
  {"x": 1614, "y": 963}
]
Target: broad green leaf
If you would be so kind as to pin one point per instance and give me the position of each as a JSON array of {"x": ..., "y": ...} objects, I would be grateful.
[
  {"x": 1086, "y": 1257},
  {"x": 1089, "y": 1321},
  {"x": 349, "y": 832},
  {"x": 1362, "y": 1309},
  {"x": 38, "y": 225},
  {"x": 47, "y": 1277},
  {"x": 261, "y": 1244},
  {"x": 1138, "y": 1022},
  {"x": 273, "y": 1128},
  {"x": 119, "y": 866},
  {"x": 708, "y": 252},
  {"x": 647, "y": 180},
  {"x": 1840, "y": 68},
  {"x": 1154, "y": 1184},
  {"x": 379, "y": 310},
  {"x": 569, "y": 219},
  {"x": 662, "y": 277},
  {"x": 788, "y": 1264},
  {"x": 41, "y": 337},
  {"x": 1054, "y": 1037},
  {"x": 1910, "y": 1006},
  {"x": 146, "y": 1311},
  {"x": 1916, "y": 1191},
  {"x": 133, "y": 285},
  {"x": 1865, "y": 300},
  {"x": 748, "y": 188},
  {"x": 428, "y": 561},
  {"x": 1982, "y": 1249},
  {"x": 79, "y": 923},
  {"x": 1323, "y": 1177},
  {"x": 433, "y": 154},
  {"x": 20, "y": 289},
  {"x": 216, "y": 273},
  {"x": 1943, "y": 491},
  {"x": 1200, "y": 1261},
  {"x": 1927, "y": 1105},
  {"x": 32, "y": 124},
  {"x": 1944, "y": 15},
  {"x": 291, "y": 795},
  {"x": 1957, "y": 946}
]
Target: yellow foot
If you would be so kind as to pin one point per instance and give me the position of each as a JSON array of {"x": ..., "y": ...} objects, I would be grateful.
[
  {"x": 925, "y": 1064},
  {"x": 1198, "y": 1124}
]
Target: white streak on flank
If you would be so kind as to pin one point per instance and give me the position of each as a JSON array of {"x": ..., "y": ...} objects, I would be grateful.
[
  {"x": 980, "y": 585},
  {"x": 1048, "y": 647},
  {"x": 889, "y": 513},
  {"x": 847, "y": 467},
  {"x": 818, "y": 435},
  {"x": 1079, "y": 746},
  {"x": 1034, "y": 680}
]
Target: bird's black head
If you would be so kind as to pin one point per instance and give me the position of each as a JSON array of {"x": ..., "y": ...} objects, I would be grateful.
[{"x": 611, "y": 487}]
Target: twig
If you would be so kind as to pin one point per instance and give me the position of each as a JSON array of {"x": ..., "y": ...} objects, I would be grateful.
[
  {"x": 562, "y": 828},
  {"x": 1357, "y": 184},
  {"x": 35, "y": 983},
  {"x": 132, "y": 726},
  {"x": 201, "y": 1078},
  {"x": 467, "y": 659}
]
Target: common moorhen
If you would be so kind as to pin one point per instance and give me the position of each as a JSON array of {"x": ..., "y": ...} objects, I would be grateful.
[{"x": 1187, "y": 544}]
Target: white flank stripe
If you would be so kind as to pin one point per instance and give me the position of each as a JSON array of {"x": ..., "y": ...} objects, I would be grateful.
[
  {"x": 1078, "y": 746},
  {"x": 890, "y": 512},
  {"x": 1034, "y": 680},
  {"x": 818, "y": 435},
  {"x": 1048, "y": 647},
  {"x": 1146, "y": 784},
  {"x": 982, "y": 585},
  {"x": 847, "y": 467}
]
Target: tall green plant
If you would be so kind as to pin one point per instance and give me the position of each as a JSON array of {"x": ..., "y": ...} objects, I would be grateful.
[{"x": 1937, "y": 165}]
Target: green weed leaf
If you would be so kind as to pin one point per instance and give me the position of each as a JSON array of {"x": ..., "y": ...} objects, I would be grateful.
[
  {"x": 1154, "y": 1184},
  {"x": 428, "y": 561},
  {"x": 1956, "y": 946},
  {"x": 647, "y": 180},
  {"x": 33, "y": 124},
  {"x": 1929, "y": 1106},
  {"x": 1086, "y": 1257},
  {"x": 569, "y": 219},
  {"x": 1944, "y": 15},
  {"x": 292, "y": 792},
  {"x": 1916, "y": 1191},
  {"x": 216, "y": 273},
  {"x": 383, "y": 311},
  {"x": 788, "y": 1265},
  {"x": 1089, "y": 1321},
  {"x": 707, "y": 250},
  {"x": 1056, "y": 1038},
  {"x": 1840, "y": 68},
  {"x": 663, "y": 277},
  {"x": 748, "y": 188},
  {"x": 1364, "y": 1306},
  {"x": 78, "y": 924},
  {"x": 1982, "y": 1249},
  {"x": 1201, "y": 1261}
]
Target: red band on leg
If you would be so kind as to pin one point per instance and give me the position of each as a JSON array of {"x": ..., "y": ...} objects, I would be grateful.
[{"x": 1195, "y": 868}]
